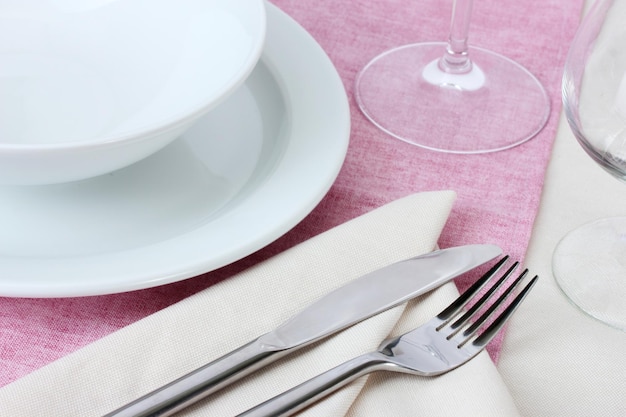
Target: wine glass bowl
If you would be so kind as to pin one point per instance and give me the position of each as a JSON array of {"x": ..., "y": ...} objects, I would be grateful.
[
  {"x": 589, "y": 263},
  {"x": 594, "y": 89}
]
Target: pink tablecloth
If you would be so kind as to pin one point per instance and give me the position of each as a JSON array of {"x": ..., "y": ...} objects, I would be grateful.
[{"x": 498, "y": 194}]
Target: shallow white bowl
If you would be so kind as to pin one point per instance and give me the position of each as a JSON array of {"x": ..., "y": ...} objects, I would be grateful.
[{"x": 91, "y": 86}]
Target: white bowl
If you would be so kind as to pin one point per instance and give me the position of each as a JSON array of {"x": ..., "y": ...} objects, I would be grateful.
[{"x": 90, "y": 86}]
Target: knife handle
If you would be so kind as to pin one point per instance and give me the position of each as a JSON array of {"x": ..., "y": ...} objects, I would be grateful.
[
  {"x": 311, "y": 391},
  {"x": 198, "y": 384}
]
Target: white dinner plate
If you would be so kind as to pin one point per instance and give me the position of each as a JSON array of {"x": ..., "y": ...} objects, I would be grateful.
[{"x": 242, "y": 177}]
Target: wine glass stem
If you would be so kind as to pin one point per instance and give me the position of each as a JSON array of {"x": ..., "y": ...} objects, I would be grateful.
[{"x": 456, "y": 58}]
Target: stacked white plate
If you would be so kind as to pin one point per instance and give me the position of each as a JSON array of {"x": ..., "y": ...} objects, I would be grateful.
[{"x": 241, "y": 176}]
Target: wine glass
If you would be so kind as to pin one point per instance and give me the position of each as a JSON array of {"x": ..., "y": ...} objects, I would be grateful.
[
  {"x": 450, "y": 97},
  {"x": 589, "y": 263}
]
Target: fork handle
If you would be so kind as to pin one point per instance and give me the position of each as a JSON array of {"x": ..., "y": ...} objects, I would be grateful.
[{"x": 318, "y": 387}]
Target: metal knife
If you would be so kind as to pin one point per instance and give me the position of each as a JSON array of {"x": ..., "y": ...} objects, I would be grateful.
[{"x": 357, "y": 300}]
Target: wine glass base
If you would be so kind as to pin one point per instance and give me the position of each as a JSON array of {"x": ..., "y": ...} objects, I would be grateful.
[
  {"x": 399, "y": 94},
  {"x": 589, "y": 265}
]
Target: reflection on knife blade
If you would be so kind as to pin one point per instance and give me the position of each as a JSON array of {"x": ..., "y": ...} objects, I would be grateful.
[{"x": 356, "y": 301}]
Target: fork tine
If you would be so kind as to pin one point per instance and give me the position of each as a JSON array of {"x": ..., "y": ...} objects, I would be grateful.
[
  {"x": 456, "y": 306},
  {"x": 489, "y": 333},
  {"x": 483, "y": 300},
  {"x": 494, "y": 306}
]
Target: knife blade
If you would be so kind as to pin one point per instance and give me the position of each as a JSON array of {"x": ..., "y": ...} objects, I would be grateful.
[{"x": 358, "y": 300}]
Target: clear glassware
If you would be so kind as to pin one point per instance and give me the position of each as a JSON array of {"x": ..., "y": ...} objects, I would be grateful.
[
  {"x": 589, "y": 263},
  {"x": 435, "y": 96}
]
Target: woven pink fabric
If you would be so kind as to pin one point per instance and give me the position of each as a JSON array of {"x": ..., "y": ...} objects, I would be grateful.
[{"x": 498, "y": 194}]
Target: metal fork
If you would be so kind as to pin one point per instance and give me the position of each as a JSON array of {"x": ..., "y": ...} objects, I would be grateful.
[{"x": 445, "y": 342}]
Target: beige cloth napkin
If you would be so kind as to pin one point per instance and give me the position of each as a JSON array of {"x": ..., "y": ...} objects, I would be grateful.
[{"x": 174, "y": 341}]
